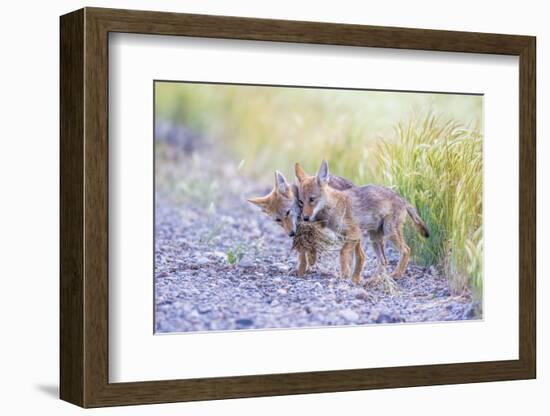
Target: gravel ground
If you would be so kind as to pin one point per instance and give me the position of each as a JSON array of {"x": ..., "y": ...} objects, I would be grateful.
[{"x": 202, "y": 216}]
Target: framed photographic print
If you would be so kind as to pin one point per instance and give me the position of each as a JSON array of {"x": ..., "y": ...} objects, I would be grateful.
[{"x": 255, "y": 207}]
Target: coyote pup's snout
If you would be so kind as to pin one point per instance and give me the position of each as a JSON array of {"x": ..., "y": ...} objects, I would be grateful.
[{"x": 311, "y": 198}]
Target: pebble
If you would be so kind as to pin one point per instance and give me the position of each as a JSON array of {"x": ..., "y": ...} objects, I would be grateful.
[
  {"x": 204, "y": 309},
  {"x": 359, "y": 294},
  {"x": 384, "y": 318},
  {"x": 194, "y": 314},
  {"x": 244, "y": 323},
  {"x": 280, "y": 266},
  {"x": 202, "y": 260},
  {"x": 349, "y": 315}
]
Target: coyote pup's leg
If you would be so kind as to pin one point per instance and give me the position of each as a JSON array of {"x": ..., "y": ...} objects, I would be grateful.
[
  {"x": 405, "y": 251},
  {"x": 302, "y": 263},
  {"x": 311, "y": 258},
  {"x": 377, "y": 239},
  {"x": 359, "y": 262},
  {"x": 383, "y": 251},
  {"x": 346, "y": 254}
]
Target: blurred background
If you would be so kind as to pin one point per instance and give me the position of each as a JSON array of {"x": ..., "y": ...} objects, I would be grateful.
[{"x": 426, "y": 146}]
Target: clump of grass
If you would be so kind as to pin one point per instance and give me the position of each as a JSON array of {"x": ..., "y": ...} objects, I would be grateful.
[
  {"x": 437, "y": 166},
  {"x": 234, "y": 256},
  {"x": 384, "y": 282}
]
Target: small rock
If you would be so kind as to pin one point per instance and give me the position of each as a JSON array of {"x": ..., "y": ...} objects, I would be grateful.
[
  {"x": 228, "y": 219},
  {"x": 280, "y": 266},
  {"x": 275, "y": 302},
  {"x": 384, "y": 318},
  {"x": 360, "y": 294},
  {"x": 202, "y": 261},
  {"x": 204, "y": 309},
  {"x": 282, "y": 291},
  {"x": 349, "y": 315},
  {"x": 469, "y": 313},
  {"x": 194, "y": 314},
  {"x": 244, "y": 323}
]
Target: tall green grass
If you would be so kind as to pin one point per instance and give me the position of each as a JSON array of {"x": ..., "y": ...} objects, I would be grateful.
[
  {"x": 426, "y": 146},
  {"x": 437, "y": 166}
]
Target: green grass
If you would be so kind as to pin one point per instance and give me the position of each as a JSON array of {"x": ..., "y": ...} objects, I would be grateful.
[
  {"x": 427, "y": 146},
  {"x": 437, "y": 166},
  {"x": 235, "y": 255}
]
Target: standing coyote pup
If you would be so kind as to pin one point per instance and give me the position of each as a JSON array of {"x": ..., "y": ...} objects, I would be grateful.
[
  {"x": 282, "y": 205},
  {"x": 376, "y": 209}
]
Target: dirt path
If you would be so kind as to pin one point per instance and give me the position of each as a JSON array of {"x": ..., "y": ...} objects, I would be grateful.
[{"x": 203, "y": 221}]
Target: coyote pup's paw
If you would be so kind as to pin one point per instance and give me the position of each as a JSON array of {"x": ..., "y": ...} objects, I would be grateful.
[
  {"x": 311, "y": 269},
  {"x": 345, "y": 274},
  {"x": 300, "y": 271},
  {"x": 356, "y": 279},
  {"x": 397, "y": 274}
]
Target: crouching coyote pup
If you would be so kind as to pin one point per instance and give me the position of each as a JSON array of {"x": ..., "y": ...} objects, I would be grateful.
[
  {"x": 378, "y": 210},
  {"x": 282, "y": 205}
]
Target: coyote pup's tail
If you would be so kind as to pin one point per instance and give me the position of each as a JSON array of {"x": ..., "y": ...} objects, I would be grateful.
[{"x": 418, "y": 222}]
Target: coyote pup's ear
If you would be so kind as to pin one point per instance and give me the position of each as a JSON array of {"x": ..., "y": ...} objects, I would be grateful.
[
  {"x": 281, "y": 185},
  {"x": 323, "y": 174},
  {"x": 300, "y": 173},
  {"x": 295, "y": 191},
  {"x": 261, "y": 201}
]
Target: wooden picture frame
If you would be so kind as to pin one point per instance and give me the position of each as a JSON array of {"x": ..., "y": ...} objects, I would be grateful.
[{"x": 84, "y": 207}]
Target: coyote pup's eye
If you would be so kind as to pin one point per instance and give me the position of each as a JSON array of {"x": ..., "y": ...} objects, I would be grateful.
[
  {"x": 288, "y": 213},
  {"x": 300, "y": 203},
  {"x": 311, "y": 199},
  {"x": 278, "y": 219}
]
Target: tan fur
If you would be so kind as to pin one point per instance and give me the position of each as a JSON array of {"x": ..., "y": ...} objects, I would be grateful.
[
  {"x": 281, "y": 204},
  {"x": 378, "y": 210}
]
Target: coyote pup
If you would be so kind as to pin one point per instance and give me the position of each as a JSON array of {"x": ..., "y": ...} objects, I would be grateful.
[
  {"x": 282, "y": 205},
  {"x": 376, "y": 209}
]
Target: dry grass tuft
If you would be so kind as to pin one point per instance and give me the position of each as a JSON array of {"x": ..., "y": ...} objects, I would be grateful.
[
  {"x": 314, "y": 237},
  {"x": 384, "y": 282}
]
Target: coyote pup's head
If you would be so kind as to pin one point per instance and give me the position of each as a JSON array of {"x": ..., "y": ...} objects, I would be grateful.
[
  {"x": 311, "y": 190},
  {"x": 281, "y": 204}
]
